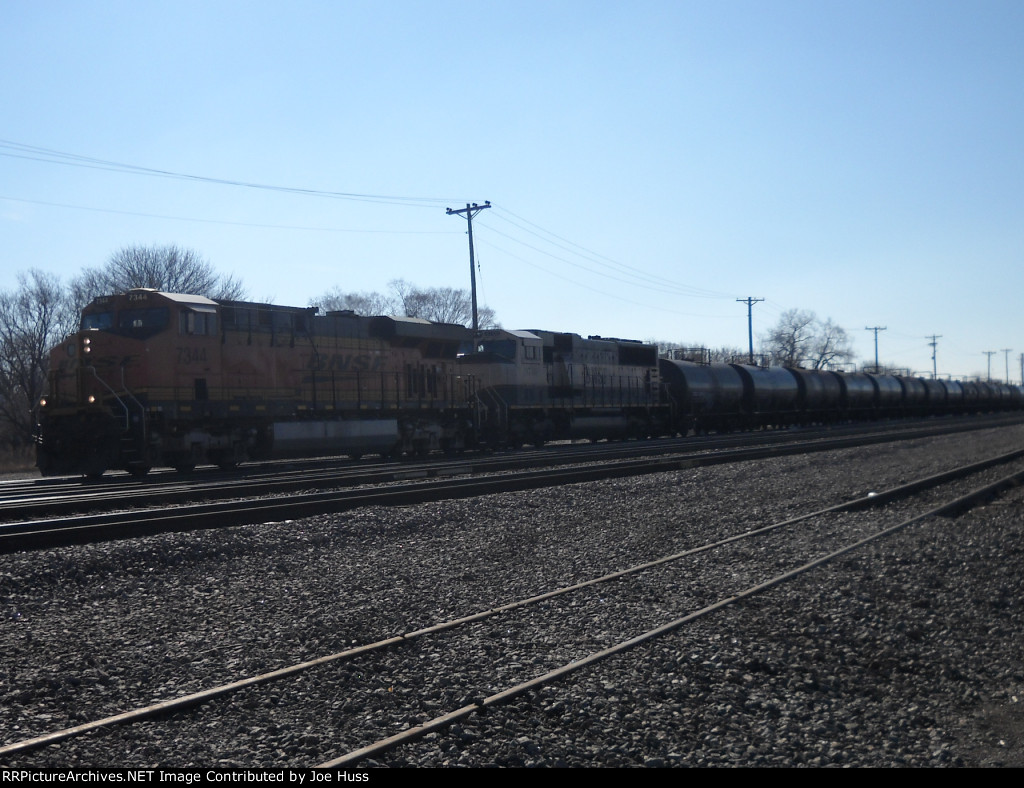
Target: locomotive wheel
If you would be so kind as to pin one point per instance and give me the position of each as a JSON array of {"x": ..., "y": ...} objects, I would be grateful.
[
  {"x": 94, "y": 467},
  {"x": 227, "y": 459}
]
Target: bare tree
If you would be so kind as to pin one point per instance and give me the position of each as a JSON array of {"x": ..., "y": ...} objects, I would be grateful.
[
  {"x": 438, "y": 304},
  {"x": 441, "y": 305},
  {"x": 33, "y": 318},
  {"x": 788, "y": 341},
  {"x": 371, "y": 303},
  {"x": 171, "y": 269},
  {"x": 831, "y": 346},
  {"x": 407, "y": 298},
  {"x": 800, "y": 339}
]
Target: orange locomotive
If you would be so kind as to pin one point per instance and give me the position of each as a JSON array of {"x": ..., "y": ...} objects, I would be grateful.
[{"x": 157, "y": 378}]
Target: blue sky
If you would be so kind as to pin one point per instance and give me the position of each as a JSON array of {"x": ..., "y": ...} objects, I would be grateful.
[{"x": 648, "y": 162}]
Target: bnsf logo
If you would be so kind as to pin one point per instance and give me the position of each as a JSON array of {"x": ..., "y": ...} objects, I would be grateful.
[{"x": 346, "y": 362}]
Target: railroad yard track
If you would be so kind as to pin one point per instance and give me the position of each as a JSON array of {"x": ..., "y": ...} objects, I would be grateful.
[
  {"x": 417, "y": 684},
  {"x": 126, "y": 510}
]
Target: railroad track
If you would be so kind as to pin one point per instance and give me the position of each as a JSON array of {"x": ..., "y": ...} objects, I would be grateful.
[
  {"x": 255, "y": 501},
  {"x": 24, "y": 499},
  {"x": 506, "y": 652}
]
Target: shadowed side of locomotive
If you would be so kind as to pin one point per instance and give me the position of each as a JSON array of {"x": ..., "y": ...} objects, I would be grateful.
[{"x": 534, "y": 386}]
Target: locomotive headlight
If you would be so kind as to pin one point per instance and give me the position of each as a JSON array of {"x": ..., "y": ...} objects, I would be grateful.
[
  {"x": 42, "y": 402},
  {"x": 85, "y": 345},
  {"x": 92, "y": 399}
]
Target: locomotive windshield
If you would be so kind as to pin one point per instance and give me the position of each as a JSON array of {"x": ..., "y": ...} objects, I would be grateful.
[
  {"x": 503, "y": 348},
  {"x": 142, "y": 323},
  {"x": 98, "y": 320}
]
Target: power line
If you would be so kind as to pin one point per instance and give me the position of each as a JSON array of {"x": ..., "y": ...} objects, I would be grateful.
[
  {"x": 580, "y": 285},
  {"x": 636, "y": 276},
  {"x": 256, "y": 225},
  {"x": 75, "y": 160},
  {"x": 606, "y": 262},
  {"x": 660, "y": 288}
]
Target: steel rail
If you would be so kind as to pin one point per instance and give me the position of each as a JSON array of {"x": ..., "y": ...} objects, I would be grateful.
[
  {"x": 86, "y": 529},
  {"x": 184, "y": 489},
  {"x": 204, "y": 696},
  {"x": 438, "y": 723}
]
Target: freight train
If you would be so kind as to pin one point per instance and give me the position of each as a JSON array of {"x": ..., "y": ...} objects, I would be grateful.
[{"x": 164, "y": 379}]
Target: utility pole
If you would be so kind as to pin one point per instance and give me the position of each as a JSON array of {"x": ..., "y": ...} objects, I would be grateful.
[
  {"x": 876, "y": 329},
  {"x": 749, "y": 301},
  {"x": 934, "y": 344},
  {"x": 1022, "y": 369},
  {"x": 989, "y": 353},
  {"x": 1007, "y": 350},
  {"x": 470, "y": 211}
]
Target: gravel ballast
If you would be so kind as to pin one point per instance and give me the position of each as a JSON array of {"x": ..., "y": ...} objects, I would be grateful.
[{"x": 906, "y": 654}]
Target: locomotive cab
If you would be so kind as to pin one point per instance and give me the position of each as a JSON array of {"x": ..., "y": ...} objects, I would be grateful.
[{"x": 108, "y": 380}]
